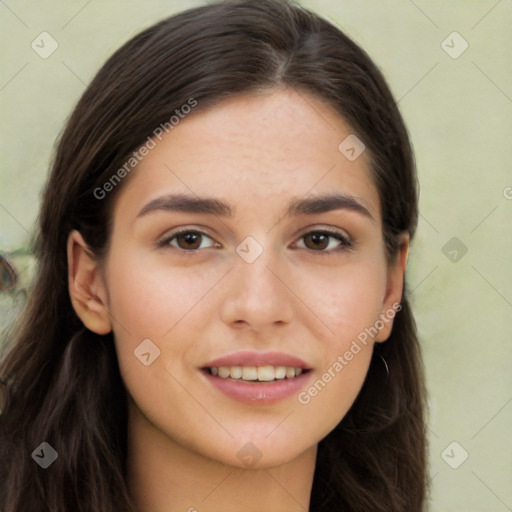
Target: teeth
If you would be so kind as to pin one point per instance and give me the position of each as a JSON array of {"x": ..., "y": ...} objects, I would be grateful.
[
  {"x": 280, "y": 372},
  {"x": 224, "y": 372},
  {"x": 235, "y": 372},
  {"x": 266, "y": 373},
  {"x": 249, "y": 373},
  {"x": 253, "y": 373}
]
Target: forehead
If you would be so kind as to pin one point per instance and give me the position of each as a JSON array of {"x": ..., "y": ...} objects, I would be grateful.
[{"x": 257, "y": 150}]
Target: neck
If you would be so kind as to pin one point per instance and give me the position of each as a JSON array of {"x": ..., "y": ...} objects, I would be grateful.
[{"x": 163, "y": 476}]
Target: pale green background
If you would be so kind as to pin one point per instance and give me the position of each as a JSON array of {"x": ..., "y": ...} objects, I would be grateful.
[{"x": 459, "y": 115}]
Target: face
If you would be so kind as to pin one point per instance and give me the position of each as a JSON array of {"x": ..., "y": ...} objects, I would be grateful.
[{"x": 264, "y": 281}]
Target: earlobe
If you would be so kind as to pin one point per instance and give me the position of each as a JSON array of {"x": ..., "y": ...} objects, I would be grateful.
[
  {"x": 86, "y": 287},
  {"x": 394, "y": 290}
]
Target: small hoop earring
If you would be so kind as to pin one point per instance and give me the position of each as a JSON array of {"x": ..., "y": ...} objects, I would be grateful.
[{"x": 386, "y": 365}]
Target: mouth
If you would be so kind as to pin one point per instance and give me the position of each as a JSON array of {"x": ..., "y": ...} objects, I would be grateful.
[{"x": 257, "y": 377}]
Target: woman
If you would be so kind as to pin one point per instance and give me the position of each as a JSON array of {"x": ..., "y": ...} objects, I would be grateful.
[{"x": 219, "y": 319}]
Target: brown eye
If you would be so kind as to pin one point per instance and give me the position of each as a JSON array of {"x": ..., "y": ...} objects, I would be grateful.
[
  {"x": 186, "y": 240},
  {"x": 189, "y": 240},
  {"x": 319, "y": 241},
  {"x": 316, "y": 241}
]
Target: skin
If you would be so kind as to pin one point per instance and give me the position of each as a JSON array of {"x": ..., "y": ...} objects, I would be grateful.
[{"x": 257, "y": 153}]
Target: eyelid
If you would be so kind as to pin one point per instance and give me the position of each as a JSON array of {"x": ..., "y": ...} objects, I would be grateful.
[
  {"x": 326, "y": 229},
  {"x": 164, "y": 240},
  {"x": 345, "y": 240}
]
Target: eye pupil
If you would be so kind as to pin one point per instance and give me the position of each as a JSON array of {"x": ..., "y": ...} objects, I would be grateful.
[
  {"x": 189, "y": 238},
  {"x": 318, "y": 238}
]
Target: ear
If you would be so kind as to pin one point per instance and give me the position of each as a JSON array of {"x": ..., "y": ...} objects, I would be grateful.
[
  {"x": 87, "y": 289},
  {"x": 394, "y": 289}
]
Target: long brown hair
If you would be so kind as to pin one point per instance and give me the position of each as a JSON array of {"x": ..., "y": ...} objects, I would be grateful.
[{"x": 64, "y": 380}]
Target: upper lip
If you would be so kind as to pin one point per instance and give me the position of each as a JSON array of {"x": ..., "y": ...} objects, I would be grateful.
[{"x": 251, "y": 358}]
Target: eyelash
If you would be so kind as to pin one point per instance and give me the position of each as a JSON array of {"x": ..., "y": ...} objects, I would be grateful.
[{"x": 346, "y": 244}]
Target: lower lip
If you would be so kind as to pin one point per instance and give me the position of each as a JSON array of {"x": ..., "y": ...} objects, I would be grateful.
[{"x": 258, "y": 392}]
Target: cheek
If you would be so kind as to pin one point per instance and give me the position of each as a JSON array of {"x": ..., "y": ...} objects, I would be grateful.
[
  {"x": 149, "y": 300},
  {"x": 163, "y": 304},
  {"x": 348, "y": 303},
  {"x": 346, "y": 299}
]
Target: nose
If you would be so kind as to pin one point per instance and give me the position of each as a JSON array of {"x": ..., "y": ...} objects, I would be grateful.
[{"x": 259, "y": 296}]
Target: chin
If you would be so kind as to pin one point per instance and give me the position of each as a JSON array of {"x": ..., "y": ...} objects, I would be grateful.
[{"x": 263, "y": 452}]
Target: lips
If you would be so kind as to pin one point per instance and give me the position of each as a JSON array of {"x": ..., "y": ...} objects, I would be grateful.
[
  {"x": 257, "y": 377},
  {"x": 247, "y": 358}
]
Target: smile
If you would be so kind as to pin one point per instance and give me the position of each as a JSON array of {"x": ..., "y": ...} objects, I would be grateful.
[
  {"x": 257, "y": 378},
  {"x": 255, "y": 373}
]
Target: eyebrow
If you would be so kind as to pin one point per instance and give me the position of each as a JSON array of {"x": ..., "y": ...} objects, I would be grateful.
[{"x": 207, "y": 205}]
